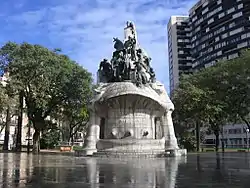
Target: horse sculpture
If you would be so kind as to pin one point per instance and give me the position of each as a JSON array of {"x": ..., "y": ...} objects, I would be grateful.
[{"x": 119, "y": 46}]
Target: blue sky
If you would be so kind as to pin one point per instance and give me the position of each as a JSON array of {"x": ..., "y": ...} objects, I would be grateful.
[{"x": 84, "y": 29}]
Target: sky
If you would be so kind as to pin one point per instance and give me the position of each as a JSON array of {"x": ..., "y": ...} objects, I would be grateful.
[{"x": 84, "y": 29}]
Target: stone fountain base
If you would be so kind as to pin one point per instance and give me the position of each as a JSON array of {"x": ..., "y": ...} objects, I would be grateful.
[{"x": 144, "y": 148}]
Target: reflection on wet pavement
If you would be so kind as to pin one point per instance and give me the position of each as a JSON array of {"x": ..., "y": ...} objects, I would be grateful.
[{"x": 204, "y": 170}]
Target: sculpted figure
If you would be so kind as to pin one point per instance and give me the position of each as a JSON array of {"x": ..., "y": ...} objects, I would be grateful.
[
  {"x": 141, "y": 77},
  {"x": 130, "y": 24},
  {"x": 118, "y": 44},
  {"x": 105, "y": 71},
  {"x": 119, "y": 66},
  {"x": 147, "y": 61},
  {"x": 130, "y": 46},
  {"x": 152, "y": 75}
]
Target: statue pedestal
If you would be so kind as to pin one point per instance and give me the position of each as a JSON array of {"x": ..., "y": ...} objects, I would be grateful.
[
  {"x": 131, "y": 121},
  {"x": 175, "y": 152}
]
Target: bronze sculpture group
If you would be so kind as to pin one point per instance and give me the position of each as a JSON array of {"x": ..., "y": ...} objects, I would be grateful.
[{"x": 128, "y": 63}]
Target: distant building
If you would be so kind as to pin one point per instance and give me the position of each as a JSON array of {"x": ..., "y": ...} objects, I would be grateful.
[
  {"x": 234, "y": 136},
  {"x": 220, "y": 29},
  {"x": 215, "y": 29},
  {"x": 179, "y": 45},
  {"x": 26, "y": 135}
]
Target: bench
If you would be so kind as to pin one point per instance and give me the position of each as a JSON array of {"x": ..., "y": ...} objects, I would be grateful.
[{"x": 65, "y": 148}]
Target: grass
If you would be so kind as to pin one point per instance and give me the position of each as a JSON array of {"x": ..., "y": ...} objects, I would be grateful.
[
  {"x": 77, "y": 148},
  {"x": 203, "y": 150}
]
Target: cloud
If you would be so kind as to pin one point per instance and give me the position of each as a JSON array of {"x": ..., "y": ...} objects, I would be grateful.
[{"x": 84, "y": 29}]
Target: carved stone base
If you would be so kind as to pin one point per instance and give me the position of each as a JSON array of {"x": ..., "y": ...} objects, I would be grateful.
[
  {"x": 86, "y": 152},
  {"x": 175, "y": 152},
  {"x": 129, "y": 154},
  {"x": 131, "y": 145}
]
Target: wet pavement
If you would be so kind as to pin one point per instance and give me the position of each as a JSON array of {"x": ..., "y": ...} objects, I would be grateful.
[{"x": 56, "y": 171}]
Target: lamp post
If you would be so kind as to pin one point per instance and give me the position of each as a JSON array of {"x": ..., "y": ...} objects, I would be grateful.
[{"x": 247, "y": 131}]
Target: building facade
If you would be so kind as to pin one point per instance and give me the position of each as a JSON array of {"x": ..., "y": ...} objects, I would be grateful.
[
  {"x": 234, "y": 136},
  {"x": 27, "y": 132},
  {"x": 179, "y": 47},
  {"x": 219, "y": 30}
]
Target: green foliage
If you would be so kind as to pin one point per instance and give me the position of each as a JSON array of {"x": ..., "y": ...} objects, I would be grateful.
[
  {"x": 214, "y": 96},
  {"x": 3, "y": 98},
  {"x": 50, "y": 82},
  {"x": 50, "y": 139},
  {"x": 187, "y": 141}
]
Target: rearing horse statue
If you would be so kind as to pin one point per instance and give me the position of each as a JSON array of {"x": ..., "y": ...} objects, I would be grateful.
[{"x": 118, "y": 44}]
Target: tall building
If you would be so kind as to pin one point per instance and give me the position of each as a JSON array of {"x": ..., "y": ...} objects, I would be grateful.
[
  {"x": 180, "y": 60},
  {"x": 219, "y": 30}
]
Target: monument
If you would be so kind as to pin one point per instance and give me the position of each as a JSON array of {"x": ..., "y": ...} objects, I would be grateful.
[{"x": 130, "y": 114}]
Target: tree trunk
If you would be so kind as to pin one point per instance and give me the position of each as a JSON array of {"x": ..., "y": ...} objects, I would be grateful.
[
  {"x": 29, "y": 134},
  {"x": 72, "y": 139},
  {"x": 19, "y": 124},
  {"x": 247, "y": 123},
  {"x": 69, "y": 136},
  {"x": 7, "y": 131},
  {"x": 217, "y": 140},
  {"x": 197, "y": 134},
  {"x": 36, "y": 141}
]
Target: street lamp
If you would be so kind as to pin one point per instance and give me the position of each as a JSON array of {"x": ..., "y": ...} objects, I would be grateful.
[{"x": 247, "y": 131}]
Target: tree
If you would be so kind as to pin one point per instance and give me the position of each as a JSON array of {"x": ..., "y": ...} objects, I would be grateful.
[
  {"x": 187, "y": 99},
  {"x": 48, "y": 81},
  {"x": 75, "y": 120},
  {"x": 198, "y": 102},
  {"x": 216, "y": 95},
  {"x": 238, "y": 92},
  {"x": 50, "y": 138},
  {"x": 19, "y": 122},
  {"x": 7, "y": 110}
]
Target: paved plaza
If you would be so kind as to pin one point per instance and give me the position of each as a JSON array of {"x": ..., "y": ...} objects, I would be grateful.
[{"x": 57, "y": 171}]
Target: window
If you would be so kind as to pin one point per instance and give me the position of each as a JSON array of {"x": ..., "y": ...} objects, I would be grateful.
[
  {"x": 237, "y": 15},
  {"x": 210, "y": 21},
  {"x": 242, "y": 45},
  {"x": 231, "y": 24},
  {"x": 235, "y": 31},
  {"x": 240, "y": 6},
  {"x": 205, "y": 10},
  {"x": 205, "y": 4},
  {"x": 219, "y": 53},
  {"x": 231, "y": 10},
  {"x": 224, "y": 35},
  {"x": 210, "y": 49},
  {"x": 197, "y": 29},
  {"x": 232, "y": 57},
  {"x": 243, "y": 36},
  {"x": 194, "y": 18}
]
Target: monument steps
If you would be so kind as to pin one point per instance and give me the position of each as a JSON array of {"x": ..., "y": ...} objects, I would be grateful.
[{"x": 122, "y": 154}]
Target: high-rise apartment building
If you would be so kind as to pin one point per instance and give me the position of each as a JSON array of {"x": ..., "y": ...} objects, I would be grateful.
[
  {"x": 219, "y": 30},
  {"x": 178, "y": 48}
]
